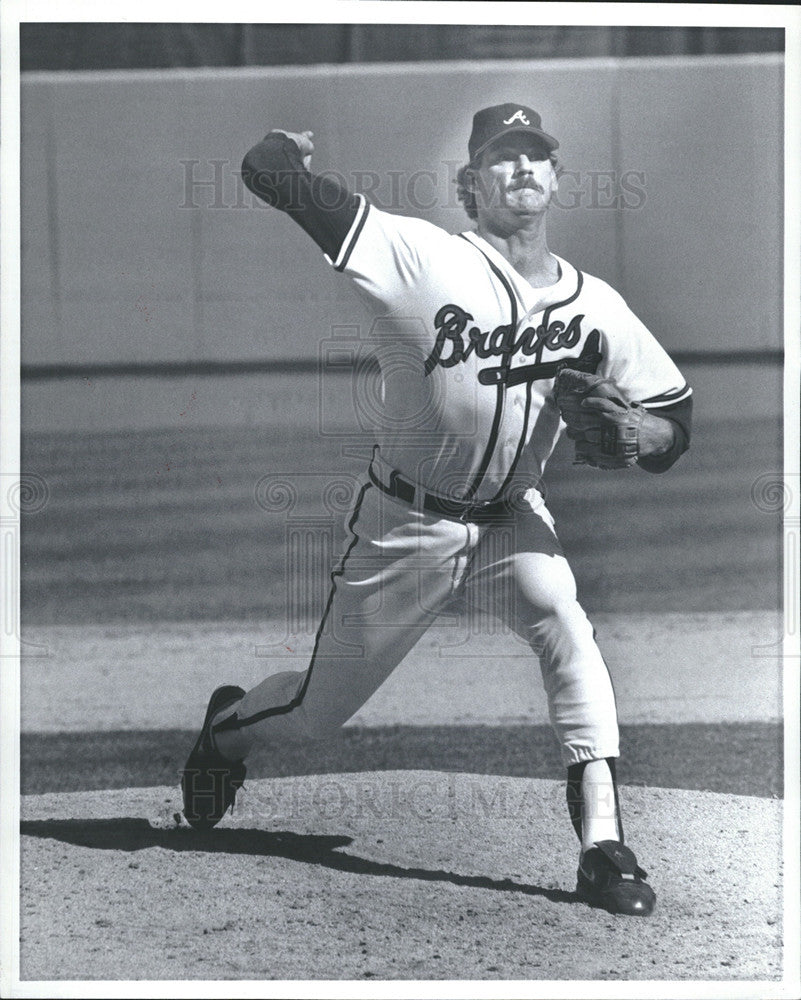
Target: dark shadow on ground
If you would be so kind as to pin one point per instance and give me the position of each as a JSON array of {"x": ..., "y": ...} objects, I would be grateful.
[{"x": 133, "y": 834}]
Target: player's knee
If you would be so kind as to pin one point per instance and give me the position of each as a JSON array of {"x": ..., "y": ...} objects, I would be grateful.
[
  {"x": 318, "y": 727},
  {"x": 558, "y": 616}
]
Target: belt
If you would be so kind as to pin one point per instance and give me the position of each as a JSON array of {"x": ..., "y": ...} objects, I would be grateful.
[{"x": 402, "y": 489}]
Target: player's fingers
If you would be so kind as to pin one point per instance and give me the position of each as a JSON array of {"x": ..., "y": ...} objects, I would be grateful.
[
  {"x": 581, "y": 421},
  {"x": 571, "y": 412},
  {"x": 306, "y": 148},
  {"x": 600, "y": 404},
  {"x": 301, "y": 139}
]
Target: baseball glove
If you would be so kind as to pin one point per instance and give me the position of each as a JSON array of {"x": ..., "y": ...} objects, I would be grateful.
[{"x": 602, "y": 423}]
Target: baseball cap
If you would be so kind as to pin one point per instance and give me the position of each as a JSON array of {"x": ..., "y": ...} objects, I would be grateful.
[{"x": 490, "y": 124}]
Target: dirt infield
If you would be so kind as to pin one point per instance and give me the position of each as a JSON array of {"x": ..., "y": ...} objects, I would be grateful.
[{"x": 397, "y": 875}]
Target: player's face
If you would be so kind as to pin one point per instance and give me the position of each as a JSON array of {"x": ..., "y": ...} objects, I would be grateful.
[{"x": 515, "y": 180}]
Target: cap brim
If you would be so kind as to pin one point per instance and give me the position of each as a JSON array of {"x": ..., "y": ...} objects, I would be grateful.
[{"x": 547, "y": 140}]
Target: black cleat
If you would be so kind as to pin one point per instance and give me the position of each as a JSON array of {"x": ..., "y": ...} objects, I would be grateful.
[
  {"x": 209, "y": 781},
  {"x": 609, "y": 877}
]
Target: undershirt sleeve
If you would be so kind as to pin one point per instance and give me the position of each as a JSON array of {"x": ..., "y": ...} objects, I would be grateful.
[{"x": 321, "y": 205}]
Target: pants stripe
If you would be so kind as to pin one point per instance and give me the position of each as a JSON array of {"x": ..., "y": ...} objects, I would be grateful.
[
  {"x": 608, "y": 671},
  {"x": 233, "y": 722}
]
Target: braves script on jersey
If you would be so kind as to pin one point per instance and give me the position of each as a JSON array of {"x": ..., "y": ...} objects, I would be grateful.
[{"x": 481, "y": 348}]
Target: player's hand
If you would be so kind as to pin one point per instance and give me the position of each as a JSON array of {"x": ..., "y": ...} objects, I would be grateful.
[
  {"x": 656, "y": 435},
  {"x": 303, "y": 140},
  {"x": 600, "y": 420}
]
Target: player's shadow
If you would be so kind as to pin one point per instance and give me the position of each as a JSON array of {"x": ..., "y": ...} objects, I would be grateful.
[{"x": 133, "y": 834}]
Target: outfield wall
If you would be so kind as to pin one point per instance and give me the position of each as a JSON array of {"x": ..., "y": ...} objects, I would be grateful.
[{"x": 672, "y": 192}]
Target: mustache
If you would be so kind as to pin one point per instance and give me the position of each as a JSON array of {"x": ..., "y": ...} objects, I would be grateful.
[{"x": 525, "y": 182}]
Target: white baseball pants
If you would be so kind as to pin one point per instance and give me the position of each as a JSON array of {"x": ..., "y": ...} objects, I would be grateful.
[{"x": 400, "y": 568}]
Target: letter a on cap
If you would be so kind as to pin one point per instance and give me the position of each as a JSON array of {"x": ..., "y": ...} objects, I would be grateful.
[{"x": 518, "y": 116}]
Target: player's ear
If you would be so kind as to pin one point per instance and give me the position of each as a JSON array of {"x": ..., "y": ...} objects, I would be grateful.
[
  {"x": 556, "y": 170},
  {"x": 466, "y": 178}
]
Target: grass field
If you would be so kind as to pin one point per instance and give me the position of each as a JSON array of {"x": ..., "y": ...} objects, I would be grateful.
[{"x": 165, "y": 525}]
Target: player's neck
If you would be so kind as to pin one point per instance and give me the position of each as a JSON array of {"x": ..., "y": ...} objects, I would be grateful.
[{"x": 526, "y": 250}]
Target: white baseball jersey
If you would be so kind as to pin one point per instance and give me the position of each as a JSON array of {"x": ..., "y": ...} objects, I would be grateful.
[{"x": 467, "y": 349}]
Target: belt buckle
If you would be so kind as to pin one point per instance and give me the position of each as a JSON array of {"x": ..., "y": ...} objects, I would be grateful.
[
  {"x": 497, "y": 505},
  {"x": 474, "y": 509}
]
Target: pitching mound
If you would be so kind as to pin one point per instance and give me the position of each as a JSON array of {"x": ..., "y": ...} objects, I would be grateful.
[{"x": 391, "y": 875}]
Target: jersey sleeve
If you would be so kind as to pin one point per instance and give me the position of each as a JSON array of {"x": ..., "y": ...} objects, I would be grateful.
[
  {"x": 638, "y": 363},
  {"x": 635, "y": 359},
  {"x": 390, "y": 257},
  {"x": 385, "y": 255}
]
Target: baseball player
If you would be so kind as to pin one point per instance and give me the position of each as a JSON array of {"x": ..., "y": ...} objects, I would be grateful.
[{"x": 490, "y": 346}]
